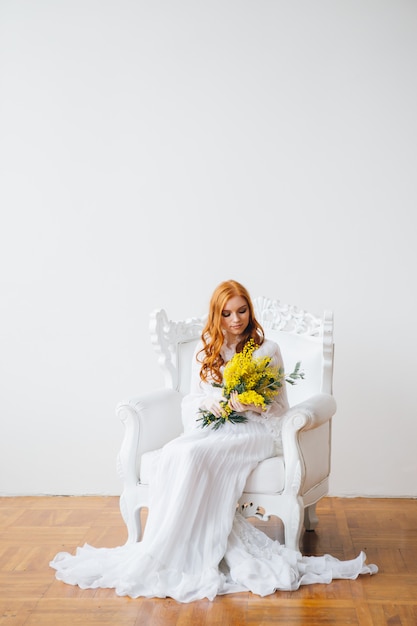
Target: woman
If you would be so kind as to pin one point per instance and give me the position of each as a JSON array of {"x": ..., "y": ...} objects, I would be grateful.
[{"x": 195, "y": 543}]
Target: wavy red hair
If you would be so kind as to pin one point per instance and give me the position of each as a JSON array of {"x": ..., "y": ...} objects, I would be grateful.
[{"x": 212, "y": 334}]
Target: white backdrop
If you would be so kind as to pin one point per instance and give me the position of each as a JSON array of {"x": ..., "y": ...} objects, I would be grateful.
[{"x": 150, "y": 150}]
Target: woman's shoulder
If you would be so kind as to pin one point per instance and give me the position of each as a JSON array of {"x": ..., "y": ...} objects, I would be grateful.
[{"x": 268, "y": 347}]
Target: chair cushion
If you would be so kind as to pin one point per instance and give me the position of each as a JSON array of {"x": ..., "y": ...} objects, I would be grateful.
[{"x": 267, "y": 477}]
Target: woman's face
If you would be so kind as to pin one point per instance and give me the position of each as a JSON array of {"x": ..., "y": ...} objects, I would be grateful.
[{"x": 235, "y": 317}]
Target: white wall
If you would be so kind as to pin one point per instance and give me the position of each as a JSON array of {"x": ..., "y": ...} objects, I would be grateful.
[{"x": 150, "y": 150}]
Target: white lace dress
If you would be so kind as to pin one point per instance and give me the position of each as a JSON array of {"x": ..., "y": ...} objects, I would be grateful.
[{"x": 195, "y": 544}]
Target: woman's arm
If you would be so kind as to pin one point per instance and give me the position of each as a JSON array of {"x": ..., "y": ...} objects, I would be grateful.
[
  {"x": 202, "y": 395},
  {"x": 279, "y": 404}
]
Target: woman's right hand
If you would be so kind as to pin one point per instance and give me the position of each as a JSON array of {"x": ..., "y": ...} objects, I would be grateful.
[{"x": 212, "y": 405}]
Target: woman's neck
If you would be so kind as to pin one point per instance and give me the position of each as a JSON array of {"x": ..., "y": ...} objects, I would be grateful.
[{"x": 231, "y": 341}]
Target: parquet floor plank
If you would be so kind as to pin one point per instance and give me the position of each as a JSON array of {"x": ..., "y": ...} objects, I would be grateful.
[
  {"x": 34, "y": 529},
  {"x": 16, "y": 612}
]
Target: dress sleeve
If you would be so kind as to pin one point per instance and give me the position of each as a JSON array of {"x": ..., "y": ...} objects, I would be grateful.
[
  {"x": 272, "y": 417},
  {"x": 199, "y": 390},
  {"x": 280, "y": 403}
]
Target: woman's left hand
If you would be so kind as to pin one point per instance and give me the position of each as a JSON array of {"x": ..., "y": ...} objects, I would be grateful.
[{"x": 241, "y": 408}]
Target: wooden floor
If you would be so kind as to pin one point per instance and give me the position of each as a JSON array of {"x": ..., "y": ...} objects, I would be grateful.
[{"x": 33, "y": 530}]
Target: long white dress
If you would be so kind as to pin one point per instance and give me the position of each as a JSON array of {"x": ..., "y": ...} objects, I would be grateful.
[{"x": 195, "y": 544}]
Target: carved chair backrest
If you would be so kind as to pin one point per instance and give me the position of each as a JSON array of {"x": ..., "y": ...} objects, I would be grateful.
[{"x": 300, "y": 335}]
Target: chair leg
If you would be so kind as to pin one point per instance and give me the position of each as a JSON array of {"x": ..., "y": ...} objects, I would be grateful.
[
  {"x": 293, "y": 523},
  {"x": 131, "y": 517},
  {"x": 310, "y": 518}
]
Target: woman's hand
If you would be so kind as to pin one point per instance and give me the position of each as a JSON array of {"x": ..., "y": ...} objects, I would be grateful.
[
  {"x": 241, "y": 408},
  {"x": 212, "y": 405}
]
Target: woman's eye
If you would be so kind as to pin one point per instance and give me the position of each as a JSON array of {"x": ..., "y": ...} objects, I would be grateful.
[{"x": 227, "y": 313}]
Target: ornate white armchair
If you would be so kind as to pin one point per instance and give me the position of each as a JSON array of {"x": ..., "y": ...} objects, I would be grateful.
[{"x": 288, "y": 485}]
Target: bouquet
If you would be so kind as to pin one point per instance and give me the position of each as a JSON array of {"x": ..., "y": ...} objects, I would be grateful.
[{"x": 255, "y": 381}]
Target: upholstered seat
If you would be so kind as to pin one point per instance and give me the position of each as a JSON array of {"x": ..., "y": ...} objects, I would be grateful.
[{"x": 287, "y": 485}]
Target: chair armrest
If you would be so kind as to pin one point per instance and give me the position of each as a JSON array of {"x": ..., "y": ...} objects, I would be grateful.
[
  {"x": 150, "y": 420},
  {"x": 306, "y": 446},
  {"x": 309, "y": 414}
]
